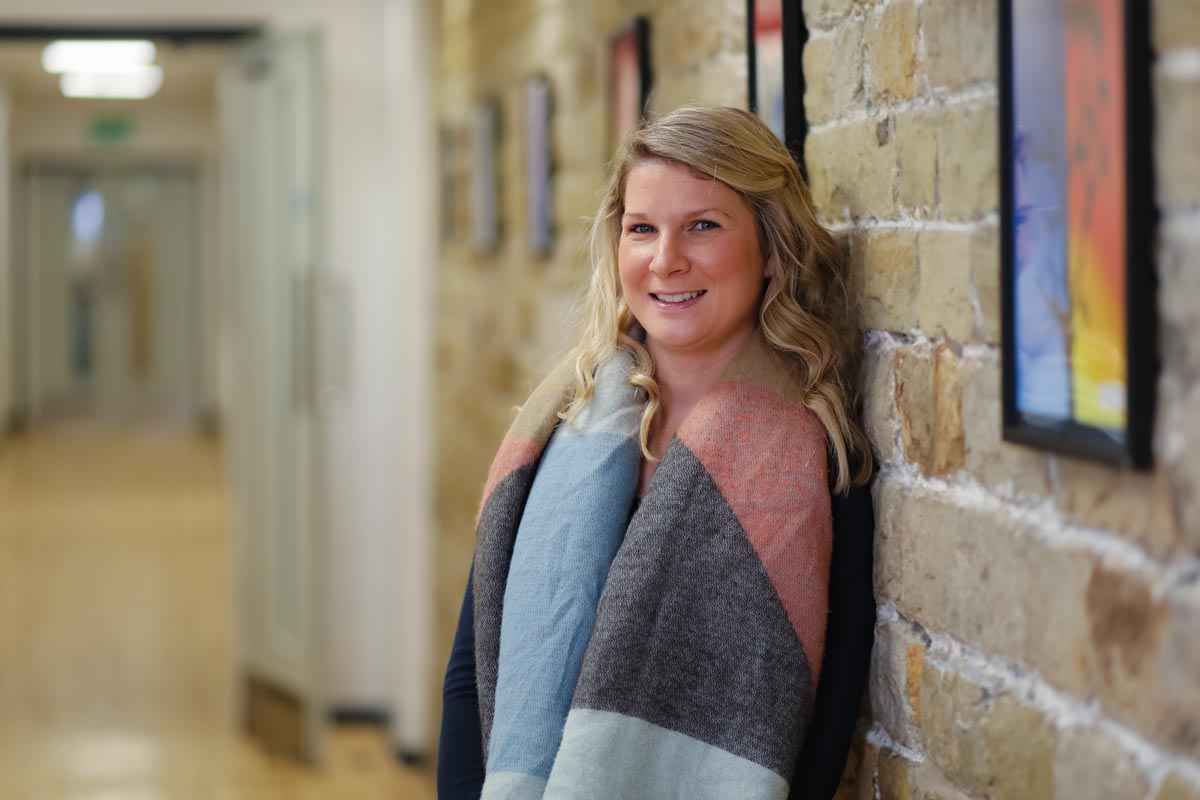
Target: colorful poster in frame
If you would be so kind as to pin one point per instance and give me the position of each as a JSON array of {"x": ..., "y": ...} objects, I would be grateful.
[
  {"x": 776, "y": 33},
  {"x": 1077, "y": 218},
  {"x": 629, "y": 78},
  {"x": 539, "y": 209}
]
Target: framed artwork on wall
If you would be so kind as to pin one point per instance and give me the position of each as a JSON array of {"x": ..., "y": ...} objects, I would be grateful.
[
  {"x": 629, "y": 78},
  {"x": 1077, "y": 228},
  {"x": 776, "y": 34},
  {"x": 539, "y": 206},
  {"x": 485, "y": 175}
]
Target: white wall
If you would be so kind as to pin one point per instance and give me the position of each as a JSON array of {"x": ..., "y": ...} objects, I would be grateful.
[
  {"x": 377, "y": 469},
  {"x": 411, "y": 83}
]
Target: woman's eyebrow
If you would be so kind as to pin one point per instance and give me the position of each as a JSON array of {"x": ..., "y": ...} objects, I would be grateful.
[
  {"x": 702, "y": 211},
  {"x": 696, "y": 213}
]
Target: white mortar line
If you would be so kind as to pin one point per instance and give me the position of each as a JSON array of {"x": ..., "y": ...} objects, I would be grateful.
[
  {"x": 989, "y": 220},
  {"x": 893, "y": 340},
  {"x": 878, "y": 736},
  {"x": 1182, "y": 63},
  {"x": 972, "y": 94},
  {"x": 981, "y": 351},
  {"x": 1183, "y": 222},
  {"x": 1046, "y": 522},
  {"x": 996, "y": 673}
]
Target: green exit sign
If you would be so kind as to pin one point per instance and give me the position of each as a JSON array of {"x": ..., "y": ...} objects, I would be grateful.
[{"x": 112, "y": 128}]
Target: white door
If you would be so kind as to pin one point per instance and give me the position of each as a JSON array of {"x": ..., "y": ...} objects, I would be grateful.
[
  {"x": 273, "y": 239},
  {"x": 113, "y": 297}
]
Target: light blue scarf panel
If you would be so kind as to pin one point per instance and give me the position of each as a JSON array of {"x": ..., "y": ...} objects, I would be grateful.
[{"x": 573, "y": 523}]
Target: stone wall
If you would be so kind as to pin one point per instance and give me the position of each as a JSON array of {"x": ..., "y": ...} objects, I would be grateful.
[{"x": 1039, "y": 616}]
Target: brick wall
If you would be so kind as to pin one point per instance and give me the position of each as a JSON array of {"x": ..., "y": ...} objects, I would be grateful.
[{"x": 1039, "y": 623}]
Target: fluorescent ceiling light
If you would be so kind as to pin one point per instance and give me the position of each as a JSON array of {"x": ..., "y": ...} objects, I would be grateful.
[
  {"x": 127, "y": 85},
  {"x": 99, "y": 55}
]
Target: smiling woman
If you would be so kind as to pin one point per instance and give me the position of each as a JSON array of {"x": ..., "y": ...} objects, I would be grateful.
[{"x": 648, "y": 610}]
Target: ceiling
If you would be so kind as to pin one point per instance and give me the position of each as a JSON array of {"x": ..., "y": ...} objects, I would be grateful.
[{"x": 189, "y": 70}]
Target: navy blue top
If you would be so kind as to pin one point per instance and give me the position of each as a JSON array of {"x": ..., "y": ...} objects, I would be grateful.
[{"x": 849, "y": 635}]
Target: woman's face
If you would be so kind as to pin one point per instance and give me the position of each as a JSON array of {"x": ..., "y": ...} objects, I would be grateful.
[{"x": 689, "y": 260}]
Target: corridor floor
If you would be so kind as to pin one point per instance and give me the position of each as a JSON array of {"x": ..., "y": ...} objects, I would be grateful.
[{"x": 116, "y": 633}]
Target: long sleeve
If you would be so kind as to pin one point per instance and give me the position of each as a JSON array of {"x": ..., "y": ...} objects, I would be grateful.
[
  {"x": 460, "y": 768},
  {"x": 849, "y": 636}
]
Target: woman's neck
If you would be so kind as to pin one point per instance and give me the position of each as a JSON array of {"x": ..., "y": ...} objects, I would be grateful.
[{"x": 684, "y": 377}]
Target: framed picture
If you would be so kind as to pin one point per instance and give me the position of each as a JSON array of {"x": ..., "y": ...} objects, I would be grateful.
[
  {"x": 629, "y": 78},
  {"x": 485, "y": 175},
  {"x": 1077, "y": 224},
  {"x": 776, "y": 34},
  {"x": 539, "y": 208}
]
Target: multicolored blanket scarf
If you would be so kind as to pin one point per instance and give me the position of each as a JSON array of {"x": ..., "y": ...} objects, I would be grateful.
[{"x": 674, "y": 654}]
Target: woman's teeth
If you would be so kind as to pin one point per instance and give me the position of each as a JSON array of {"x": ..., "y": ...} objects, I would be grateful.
[{"x": 678, "y": 298}]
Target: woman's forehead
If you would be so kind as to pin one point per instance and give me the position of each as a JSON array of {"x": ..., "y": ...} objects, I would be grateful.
[{"x": 654, "y": 181}]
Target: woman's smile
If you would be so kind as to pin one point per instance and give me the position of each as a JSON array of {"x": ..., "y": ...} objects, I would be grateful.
[{"x": 677, "y": 301}]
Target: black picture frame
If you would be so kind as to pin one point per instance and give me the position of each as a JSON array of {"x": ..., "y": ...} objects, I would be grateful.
[
  {"x": 1127, "y": 444},
  {"x": 486, "y": 226},
  {"x": 793, "y": 32},
  {"x": 538, "y": 102},
  {"x": 628, "y": 60}
]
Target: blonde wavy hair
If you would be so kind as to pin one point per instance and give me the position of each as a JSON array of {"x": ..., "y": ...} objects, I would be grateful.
[{"x": 804, "y": 313}]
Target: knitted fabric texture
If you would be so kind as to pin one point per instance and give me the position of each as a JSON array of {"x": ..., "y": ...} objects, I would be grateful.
[{"x": 677, "y": 656}]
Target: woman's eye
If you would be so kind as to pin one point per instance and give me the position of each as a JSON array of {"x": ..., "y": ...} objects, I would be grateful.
[
  {"x": 640, "y": 227},
  {"x": 705, "y": 225}
]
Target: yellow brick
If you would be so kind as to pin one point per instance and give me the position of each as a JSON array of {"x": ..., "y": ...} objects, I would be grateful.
[
  {"x": 891, "y": 47},
  {"x": 945, "y": 294},
  {"x": 948, "y": 440},
  {"x": 1020, "y": 742},
  {"x": 833, "y": 73},
  {"x": 1176, "y": 134},
  {"x": 1176, "y": 787},
  {"x": 954, "y": 709},
  {"x": 884, "y": 272},
  {"x": 1090, "y": 763},
  {"x": 968, "y": 161},
  {"x": 1176, "y": 23},
  {"x": 916, "y": 157},
  {"x": 852, "y": 169},
  {"x": 960, "y": 42}
]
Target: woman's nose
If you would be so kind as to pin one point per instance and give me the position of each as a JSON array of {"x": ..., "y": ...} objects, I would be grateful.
[{"x": 669, "y": 256}]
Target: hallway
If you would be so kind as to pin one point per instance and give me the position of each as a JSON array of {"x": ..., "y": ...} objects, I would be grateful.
[{"x": 116, "y": 631}]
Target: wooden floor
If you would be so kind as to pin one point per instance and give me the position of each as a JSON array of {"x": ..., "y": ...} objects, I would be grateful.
[{"x": 116, "y": 632}]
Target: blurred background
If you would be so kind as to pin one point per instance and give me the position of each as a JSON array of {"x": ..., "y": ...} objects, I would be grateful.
[{"x": 218, "y": 232}]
